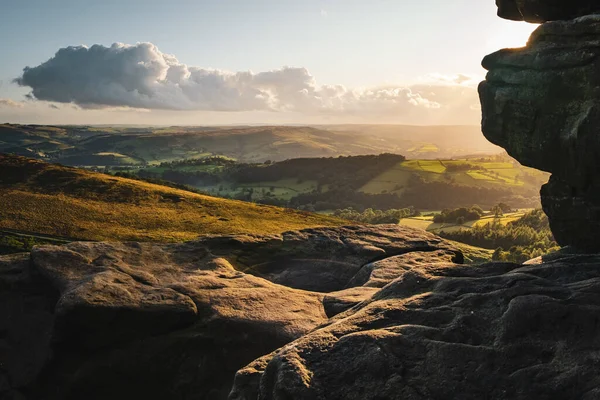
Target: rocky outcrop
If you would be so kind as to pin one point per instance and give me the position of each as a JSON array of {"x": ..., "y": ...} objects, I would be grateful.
[
  {"x": 160, "y": 321},
  {"x": 545, "y": 10},
  {"x": 494, "y": 331},
  {"x": 541, "y": 103},
  {"x": 156, "y": 321}
]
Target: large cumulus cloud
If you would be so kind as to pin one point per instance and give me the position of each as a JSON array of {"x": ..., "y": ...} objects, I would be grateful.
[{"x": 141, "y": 76}]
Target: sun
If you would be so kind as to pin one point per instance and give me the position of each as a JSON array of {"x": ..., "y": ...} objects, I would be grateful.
[{"x": 510, "y": 35}]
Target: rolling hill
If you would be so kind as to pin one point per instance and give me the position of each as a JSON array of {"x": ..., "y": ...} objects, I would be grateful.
[
  {"x": 117, "y": 146},
  {"x": 48, "y": 199}
]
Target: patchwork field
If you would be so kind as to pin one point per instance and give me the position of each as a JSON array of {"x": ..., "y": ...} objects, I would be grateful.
[{"x": 283, "y": 189}]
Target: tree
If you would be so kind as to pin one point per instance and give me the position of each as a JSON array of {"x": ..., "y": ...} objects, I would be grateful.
[
  {"x": 497, "y": 211},
  {"x": 505, "y": 207},
  {"x": 497, "y": 255}
]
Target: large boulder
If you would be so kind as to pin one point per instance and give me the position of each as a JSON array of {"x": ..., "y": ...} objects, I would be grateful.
[
  {"x": 495, "y": 331},
  {"x": 542, "y": 104},
  {"x": 538, "y": 11},
  {"x": 157, "y": 321}
]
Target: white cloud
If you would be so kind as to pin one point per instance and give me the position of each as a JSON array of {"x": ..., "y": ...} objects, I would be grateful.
[
  {"x": 324, "y": 13},
  {"x": 457, "y": 79},
  {"x": 11, "y": 103},
  {"x": 142, "y": 77}
]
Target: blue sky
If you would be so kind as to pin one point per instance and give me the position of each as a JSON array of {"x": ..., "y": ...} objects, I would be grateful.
[{"x": 357, "y": 44}]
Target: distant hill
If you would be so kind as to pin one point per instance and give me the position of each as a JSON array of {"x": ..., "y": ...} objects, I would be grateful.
[
  {"x": 67, "y": 202},
  {"x": 425, "y": 142},
  {"x": 115, "y": 146}
]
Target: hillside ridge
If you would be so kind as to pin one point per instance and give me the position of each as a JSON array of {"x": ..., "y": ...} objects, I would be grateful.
[{"x": 56, "y": 200}]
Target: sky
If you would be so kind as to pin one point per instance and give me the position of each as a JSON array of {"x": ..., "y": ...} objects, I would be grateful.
[{"x": 204, "y": 62}]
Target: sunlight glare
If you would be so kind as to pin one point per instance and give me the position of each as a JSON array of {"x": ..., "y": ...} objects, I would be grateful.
[{"x": 512, "y": 35}]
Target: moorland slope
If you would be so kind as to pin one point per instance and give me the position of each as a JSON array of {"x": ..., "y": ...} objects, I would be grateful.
[{"x": 55, "y": 200}]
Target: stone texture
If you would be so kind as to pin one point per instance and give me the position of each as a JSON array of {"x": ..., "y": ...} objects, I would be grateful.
[
  {"x": 538, "y": 11},
  {"x": 541, "y": 103},
  {"x": 376, "y": 275},
  {"x": 155, "y": 321},
  {"x": 26, "y": 324},
  {"x": 495, "y": 331}
]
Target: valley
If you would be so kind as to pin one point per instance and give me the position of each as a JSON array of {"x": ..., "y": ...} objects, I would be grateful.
[{"x": 384, "y": 181}]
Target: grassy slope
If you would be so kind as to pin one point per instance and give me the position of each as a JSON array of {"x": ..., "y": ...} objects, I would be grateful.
[{"x": 62, "y": 201}]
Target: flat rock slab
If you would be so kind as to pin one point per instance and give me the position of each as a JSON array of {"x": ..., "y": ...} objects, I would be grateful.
[{"x": 495, "y": 331}]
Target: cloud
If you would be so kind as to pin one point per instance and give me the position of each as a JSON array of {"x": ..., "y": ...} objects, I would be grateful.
[
  {"x": 324, "y": 13},
  {"x": 142, "y": 77},
  {"x": 458, "y": 79},
  {"x": 11, "y": 103}
]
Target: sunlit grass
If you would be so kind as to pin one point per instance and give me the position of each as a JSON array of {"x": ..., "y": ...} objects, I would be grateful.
[
  {"x": 432, "y": 166},
  {"x": 79, "y": 204}
]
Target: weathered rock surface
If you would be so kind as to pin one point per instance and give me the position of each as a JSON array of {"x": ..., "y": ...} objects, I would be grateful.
[
  {"x": 156, "y": 321},
  {"x": 538, "y": 11},
  {"x": 373, "y": 276},
  {"x": 495, "y": 331},
  {"x": 542, "y": 104}
]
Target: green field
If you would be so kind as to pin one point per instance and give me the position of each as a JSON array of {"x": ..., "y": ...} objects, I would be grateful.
[
  {"x": 426, "y": 222},
  {"x": 481, "y": 174},
  {"x": 434, "y": 166}
]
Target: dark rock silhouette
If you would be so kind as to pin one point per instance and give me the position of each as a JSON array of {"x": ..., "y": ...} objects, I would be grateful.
[
  {"x": 545, "y": 10},
  {"x": 540, "y": 103}
]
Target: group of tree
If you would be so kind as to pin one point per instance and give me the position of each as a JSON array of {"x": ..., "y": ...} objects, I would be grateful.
[
  {"x": 458, "y": 215},
  {"x": 194, "y": 162},
  {"x": 462, "y": 167},
  {"x": 516, "y": 241},
  {"x": 371, "y": 216}
]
